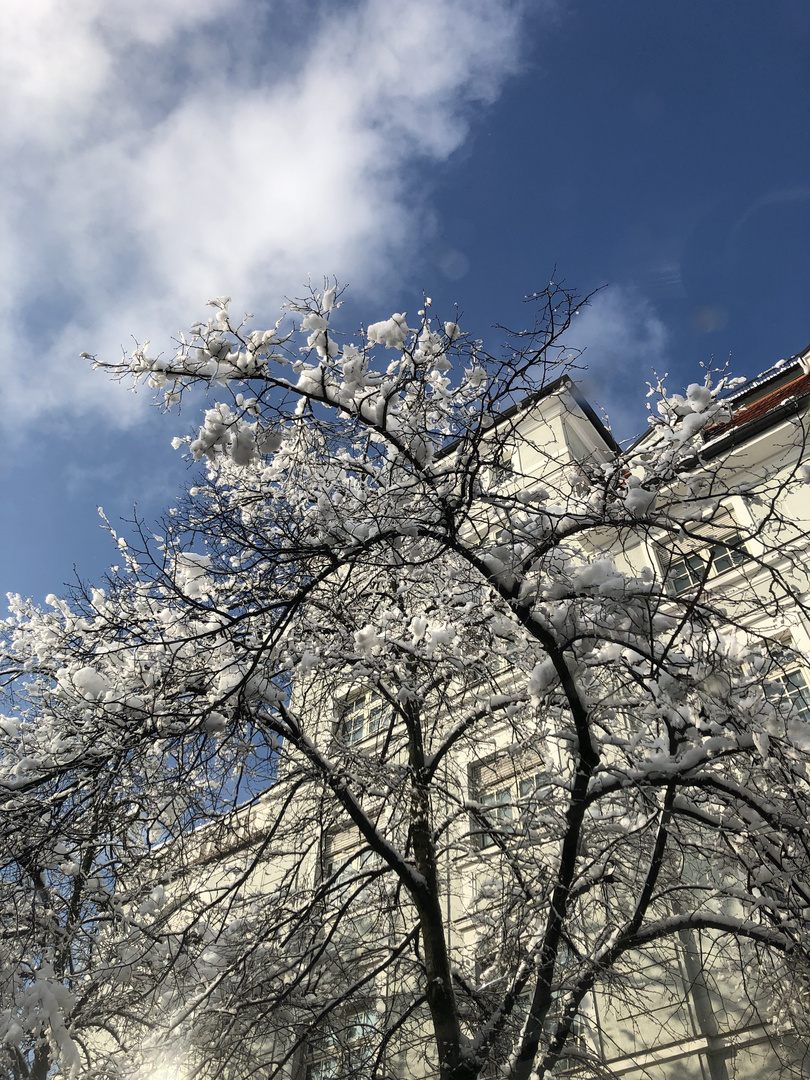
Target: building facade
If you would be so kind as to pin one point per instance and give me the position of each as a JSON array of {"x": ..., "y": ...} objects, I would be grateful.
[{"x": 498, "y": 753}]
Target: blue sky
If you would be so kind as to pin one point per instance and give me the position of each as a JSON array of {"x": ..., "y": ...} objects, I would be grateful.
[{"x": 159, "y": 152}]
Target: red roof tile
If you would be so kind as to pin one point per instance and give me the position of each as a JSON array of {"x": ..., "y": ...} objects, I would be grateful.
[{"x": 745, "y": 413}]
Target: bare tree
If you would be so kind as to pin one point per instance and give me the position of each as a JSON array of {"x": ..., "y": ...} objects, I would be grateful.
[{"x": 430, "y": 714}]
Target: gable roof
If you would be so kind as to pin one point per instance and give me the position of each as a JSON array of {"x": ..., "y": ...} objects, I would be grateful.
[{"x": 524, "y": 405}]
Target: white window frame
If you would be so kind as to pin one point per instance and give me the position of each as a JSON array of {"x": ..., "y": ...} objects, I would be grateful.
[
  {"x": 336, "y": 1053},
  {"x": 362, "y": 716},
  {"x": 351, "y": 864},
  {"x": 704, "y": 556},
  {"x": 577, "y": 1044},
  {"x": 509, "y": 793},
  {"x": 501, "y": 470},
  {"x": 788, "y": 679}
]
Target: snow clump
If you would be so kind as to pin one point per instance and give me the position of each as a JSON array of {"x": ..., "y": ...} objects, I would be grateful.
[{"x": 392, "y": 332}]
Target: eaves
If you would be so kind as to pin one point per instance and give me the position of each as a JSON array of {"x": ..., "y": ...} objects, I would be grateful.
[{"x": 738, "y": 436}]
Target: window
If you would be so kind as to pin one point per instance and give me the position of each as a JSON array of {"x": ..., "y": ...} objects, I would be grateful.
[
  {"x": 502, "y": 470},
  {"x": 346, "y": 1049},
  {"x": 362, "y": 716},
  {"x": 347, "y": 866},
  {"x": 713, "y": 548},
  {"x": 498, "y": 815},
  {"x": 790, "y": 686},
  {"x": 724, "y": 557},
  {"x": 575, "y": 1048},
  {"x": 508, "y": 796},
  {"x": 529, "y": 787},
  {"x": 322, "y": 1068},
  {"x": 784, "y": 678},
  {"x": 685, "y": 572},
  {"x": 490, "y": 971}
]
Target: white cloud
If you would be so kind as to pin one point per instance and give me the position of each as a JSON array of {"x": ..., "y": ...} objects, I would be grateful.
[
  {"x": 163, "y": 151},
  {"x": 624, "y": 342}
]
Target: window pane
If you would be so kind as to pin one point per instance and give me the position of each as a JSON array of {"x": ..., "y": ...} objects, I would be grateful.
[
  {"x": 353, "y": 724},
  {"x": 724, "y": 557},
  {"x": 790, "y": 686},
  {"x": 376, "y": 716},
  {"x": 324, "y": 1069},
  {"x": 685, "y": 572},
  {"x": 529, "y": 786},
  {"x": 501, "y": 803},
  {"x": 499, "y": 813},
  {"x": 363, "y": 716}
]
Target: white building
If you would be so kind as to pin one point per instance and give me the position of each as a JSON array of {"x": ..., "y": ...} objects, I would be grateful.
[{"x": 685, "y": 1006}]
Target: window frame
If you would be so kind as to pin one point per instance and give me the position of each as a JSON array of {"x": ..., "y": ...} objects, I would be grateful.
[
  {"x": 788, "y": 680},
  {"x": 335, "y": 1052},
  {"x": 715, "y": 548},
  {"x": 576, "y": 1047},
  {"x": 505, "y": 791},
  {"x": 367, "y": 712}
]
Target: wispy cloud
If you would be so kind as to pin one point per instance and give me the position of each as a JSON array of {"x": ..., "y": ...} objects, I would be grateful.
[
  {"x": 161, "y": 151},
  {"x": 623, "y": 341}
]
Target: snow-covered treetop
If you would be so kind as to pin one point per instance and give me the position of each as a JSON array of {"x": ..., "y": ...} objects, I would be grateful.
[{"x": 398, "y": 511}]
